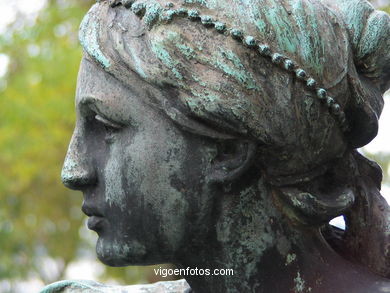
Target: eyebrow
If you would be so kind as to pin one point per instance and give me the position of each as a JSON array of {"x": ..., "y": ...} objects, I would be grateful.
[
  {"x": 93, "y": 103},
  {"x": 89, "y": 99}
]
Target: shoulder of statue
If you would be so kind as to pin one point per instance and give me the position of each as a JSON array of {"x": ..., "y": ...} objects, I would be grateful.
[{"x": 85, "y": 286}]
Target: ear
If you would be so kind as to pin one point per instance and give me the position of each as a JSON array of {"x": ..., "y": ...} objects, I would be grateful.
[{"x": 233, "y": 158}]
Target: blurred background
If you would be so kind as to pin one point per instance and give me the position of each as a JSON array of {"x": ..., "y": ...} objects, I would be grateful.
[{"x": 43, "y": 236}]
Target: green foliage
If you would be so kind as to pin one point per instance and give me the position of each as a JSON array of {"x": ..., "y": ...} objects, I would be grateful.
[
  {"x": 36, "y": 111},
  {"x": 38, "y": 216},
  {"x": 387, "y": 9},
  {"x": 383, "y": 159},
  {"x": 37, "y": 116}
]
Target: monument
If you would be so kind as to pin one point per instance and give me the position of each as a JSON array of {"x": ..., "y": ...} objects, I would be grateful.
[{"x": 222, "y": 134}]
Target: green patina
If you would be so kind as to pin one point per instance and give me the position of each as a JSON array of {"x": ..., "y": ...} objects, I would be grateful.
[
  {"x": 163, "y": 55},
  {"x": 201, "y": 101},
  {"x": 138, "y": 66},
  {"x": 201, "y": 2},
  {"x": 152, "y": 14},
  {"x": 225, "y": 60},
  {"x": 231, "y": 64},
  {"x": 194, "y": 104},
  {"x": 374, "y": 33},
  {"x": 299, "y": 284},
  {"x": 309, "y": 107},
  {"x": 260, "y": 24},
  {"x": 256, "y": 241},
  {"x": 249, "y": 220},
  {"x": 278, "y": 19},
  {"x": 198, "y": 80},
  {"x": 311, "y": 45},
  {"x": 354, "y": 11},
  {"x": 174, "y": 201},
  {"x": 251, "y": 8},
  {"x": 115, "y": 194},
  {"x": 210, "y": 100},
  {"x": 61, "y": 286},
  {"x": 290, "y": 258},
  {"x": 88, "y": 36},
  {"x": 212, "y": 4},
  {"x": 187, "y": 51},
  {"x": 118, "y": 249}
]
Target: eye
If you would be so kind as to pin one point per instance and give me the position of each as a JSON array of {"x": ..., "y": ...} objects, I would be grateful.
[
  {"x": 108, "y": 123},
  {"x": 111, "y": 128}
]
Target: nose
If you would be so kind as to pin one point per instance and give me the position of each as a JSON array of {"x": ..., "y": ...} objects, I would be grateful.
[{"x": 77, "y": 173}]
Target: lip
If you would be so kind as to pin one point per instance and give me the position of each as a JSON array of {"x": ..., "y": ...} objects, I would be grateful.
[
  {"x": 96, "y": 218},
  {"x": 95, "y": 223},
  {"x": 91, "y": 211}
]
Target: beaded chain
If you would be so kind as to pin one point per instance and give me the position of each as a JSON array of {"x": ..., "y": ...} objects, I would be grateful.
[{"x": 250, "y": 42}]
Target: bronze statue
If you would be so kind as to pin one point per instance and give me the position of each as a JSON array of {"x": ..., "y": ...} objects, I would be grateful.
[{"x": 222, "y": 134}]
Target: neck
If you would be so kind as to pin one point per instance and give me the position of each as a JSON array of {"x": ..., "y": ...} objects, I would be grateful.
[{"x": 267, "y": 253}]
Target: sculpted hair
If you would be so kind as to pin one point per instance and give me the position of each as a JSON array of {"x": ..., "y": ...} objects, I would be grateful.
[{"x": 304, "y": 80}]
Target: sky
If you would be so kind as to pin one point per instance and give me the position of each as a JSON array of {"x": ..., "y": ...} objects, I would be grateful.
[{"x": 9, "y": 9}]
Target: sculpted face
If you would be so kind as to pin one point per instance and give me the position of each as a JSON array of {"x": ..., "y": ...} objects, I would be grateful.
[{"x": 140, "y": 175}]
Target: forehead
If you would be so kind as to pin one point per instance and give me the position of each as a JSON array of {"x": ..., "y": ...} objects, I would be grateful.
[{"x": 96, "y": 86}]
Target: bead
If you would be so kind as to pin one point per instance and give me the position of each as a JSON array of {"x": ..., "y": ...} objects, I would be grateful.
[
  {"x": 165, "y": 18},
  {"x": 193, "y": 14},
  {"x": 336, "y": 109},
  {"x": 321, "y": 93},
  {"x": 236, "y": 33},
  {"x": 169, "y": 14},
  {"x": 250, "y": 41},
  {"x": 264, "y": 50},
  {"x": 114, "y": 3},
  {"x": 277, "y": 58},
  {"x": 127, "y": 3},
  {"x": 330, "y": 101},
  {"x": 289, "y": 64},
  {"x": 138, "y": 8},
  {"x": 301, "y": 73},
  {"x": 206, "y": 20},
  {"x": 220, "y": 26},
  {"x": 311, "y": 83},
  {"x": 182, "y": 11}
]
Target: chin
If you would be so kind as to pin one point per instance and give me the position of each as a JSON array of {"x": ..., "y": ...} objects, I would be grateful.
[{"x": 119, "y": 253}]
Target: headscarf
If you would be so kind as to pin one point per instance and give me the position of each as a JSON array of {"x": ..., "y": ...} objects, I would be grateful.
[{"x": 215, "y": 85}]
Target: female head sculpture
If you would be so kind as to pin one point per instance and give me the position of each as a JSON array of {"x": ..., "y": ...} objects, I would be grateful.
[{"x": 225, "y": 132}]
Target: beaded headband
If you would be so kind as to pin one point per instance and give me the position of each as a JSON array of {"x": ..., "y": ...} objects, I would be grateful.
[{"x": 248, "y": 41}]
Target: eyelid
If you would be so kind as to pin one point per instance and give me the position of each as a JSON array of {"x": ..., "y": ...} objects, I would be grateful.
[{"x": 108, "y": 122}]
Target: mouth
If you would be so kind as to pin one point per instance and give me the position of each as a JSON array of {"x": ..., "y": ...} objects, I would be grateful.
[
  {"x": 95, "y": 223},
  {"x": 91, "y": 211},
  {"x": 96, "y": 218}
]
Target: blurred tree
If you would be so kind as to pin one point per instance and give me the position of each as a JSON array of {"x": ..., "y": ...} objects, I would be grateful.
[
  {"x": 40, "y": 219},
  {"x": 36, "y": 111}
]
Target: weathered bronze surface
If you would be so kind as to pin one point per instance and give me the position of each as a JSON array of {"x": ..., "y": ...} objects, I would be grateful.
[{"x": 223, "y": 134}]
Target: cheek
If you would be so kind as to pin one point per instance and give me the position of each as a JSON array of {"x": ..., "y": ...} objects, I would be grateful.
[
  {"x": 160, "y": 164},
  {"x": 140, "y": 177},
  {"x": 115, "y": 191}
]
